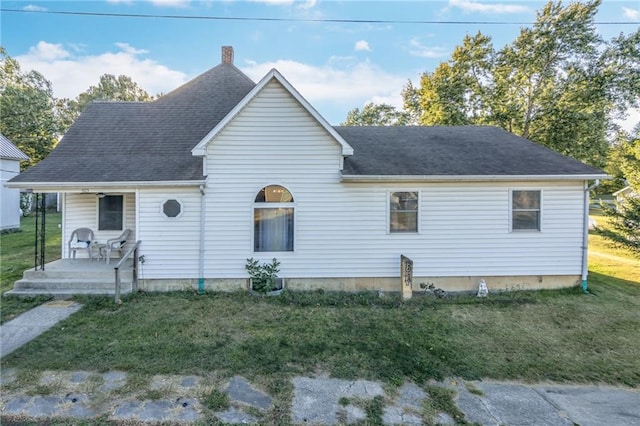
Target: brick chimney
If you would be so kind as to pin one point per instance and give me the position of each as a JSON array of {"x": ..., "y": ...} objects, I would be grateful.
[{"x": 227, "y": 55}]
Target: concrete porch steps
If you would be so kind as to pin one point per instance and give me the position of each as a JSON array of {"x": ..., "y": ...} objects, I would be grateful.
[
  {"x": 70, "y": 284},
  {"x": 65, "y": 293},
  {"x": 66, "y": 277}
]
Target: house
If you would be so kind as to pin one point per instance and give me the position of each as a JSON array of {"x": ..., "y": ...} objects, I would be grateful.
[
  {"x": 623, "y": 194},
  {"x": 10, "y": 158},
  {"x": 223, "y": 169}
]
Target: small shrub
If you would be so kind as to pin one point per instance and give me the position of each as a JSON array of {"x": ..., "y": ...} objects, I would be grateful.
[{"x": 263, "y": 276}]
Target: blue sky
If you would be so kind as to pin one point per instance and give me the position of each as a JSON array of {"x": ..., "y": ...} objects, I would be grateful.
[{"x": 336, "y": 66}]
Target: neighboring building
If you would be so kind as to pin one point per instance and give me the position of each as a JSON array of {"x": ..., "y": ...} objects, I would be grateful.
[
  {"x": 223, "y": 169},
  {"x": 622, "y": 195},
  {"x": 10, "y": 158}
]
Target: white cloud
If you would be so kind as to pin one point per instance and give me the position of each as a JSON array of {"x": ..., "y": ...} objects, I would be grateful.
[
  {"x": 72, "y": 74},
  {"x": 48, "y": 51},
  {"x": 632, "y": 14},
  {"x": 34, "y": 8},
  {"x": 335, "y": 88},
  {"x": 362, "y": 45},
  {"x": 308, "y": 4},
  {"x": 127, "y": 48},
  {"x": 474, "y": 6},
  {"x": 416, "y": 48}
]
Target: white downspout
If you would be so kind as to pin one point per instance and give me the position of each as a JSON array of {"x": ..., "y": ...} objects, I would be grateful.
[
  {"x": 202, "y": 232},
  {"x": 585, "y": 235}
]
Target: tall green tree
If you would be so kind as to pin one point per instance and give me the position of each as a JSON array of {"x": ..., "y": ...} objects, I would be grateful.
[
  {"x": 109, "y": 88},
  {"x": 458, "y": 91},
  {"x": 625, "y": 216},
  {"x": 28, "y": 111},
  {"x": 558, "y": 83},
  {"x": 376, "y": 115}
]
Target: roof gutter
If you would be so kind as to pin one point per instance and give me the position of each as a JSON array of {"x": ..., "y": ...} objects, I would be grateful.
[
  {"x": 203, "y": 209},
  {"x": 92, "y": 186},
  {"x": 465, "y": 178}
]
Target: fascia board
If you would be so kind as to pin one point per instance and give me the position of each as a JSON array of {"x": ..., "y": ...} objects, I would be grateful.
[
  {"x": 469, "y": 178},
  {"x": 91, "y": 186}
]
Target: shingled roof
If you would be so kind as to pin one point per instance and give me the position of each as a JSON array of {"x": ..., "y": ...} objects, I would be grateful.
[
  {"x": 420, "y": 151},
  {"x": 9, "y": 151},
  {"x": 127, "y": 142},
  {"x": 144, "y": 141}
]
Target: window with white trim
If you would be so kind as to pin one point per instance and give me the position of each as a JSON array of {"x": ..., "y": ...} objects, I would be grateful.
[
  {"x": 273, "y": 215},
  {"x": 526, "y": 210},
  {"x": 403, "y": 212},
  {"x": 110, "y": 213}
]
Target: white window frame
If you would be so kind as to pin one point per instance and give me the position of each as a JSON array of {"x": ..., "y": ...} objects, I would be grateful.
[
  {"x": 540, "y": 211},
  {"x": 171, "y": 199},
  {"x": 267, "y": 205},
  {"x": 388, "y": 211}
]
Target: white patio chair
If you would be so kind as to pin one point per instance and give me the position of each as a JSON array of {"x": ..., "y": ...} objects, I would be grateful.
[
  {"x": 116, "y": 244},
  {"x": 81, "y": 239}
]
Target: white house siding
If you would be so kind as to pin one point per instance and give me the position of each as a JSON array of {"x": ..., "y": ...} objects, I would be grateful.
[
  {"x": 341, "y": 228},
  {"x": 10, "y": 198},
  {"x": 81, "y": 211},
  {"x": 170, "y": 245}
]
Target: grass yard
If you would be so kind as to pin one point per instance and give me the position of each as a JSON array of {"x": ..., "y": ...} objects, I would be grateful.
[
  {"x": 609, "y": 260},
  {"x": 17, "y": 255},
  {"x": 560, "y": 335}
]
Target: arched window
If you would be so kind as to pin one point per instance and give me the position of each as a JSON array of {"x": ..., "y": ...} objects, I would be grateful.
[{"x": 273, "y": 219}]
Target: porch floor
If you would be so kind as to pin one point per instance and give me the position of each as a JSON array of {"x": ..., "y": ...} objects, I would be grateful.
[{"x": 67, "y": 277}]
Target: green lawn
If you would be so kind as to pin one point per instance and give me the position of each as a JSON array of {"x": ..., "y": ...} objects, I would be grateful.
[
  {"x": 561, "y": 335},
  {"x": 612, "y": 261},
  {"x": 17, "y": 255}
]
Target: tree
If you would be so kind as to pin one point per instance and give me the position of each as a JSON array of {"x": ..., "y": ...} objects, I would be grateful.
[
  {"x": 28, "y": 110},
  {"x": 557, "y": 83},
  {"x": 625, "y": 217},
  {"x": 457, "y": 92},
  {"x": 376, "y": 115},
  {"x": 110, "y": 88},
  {"x": 34, "y": 120}
]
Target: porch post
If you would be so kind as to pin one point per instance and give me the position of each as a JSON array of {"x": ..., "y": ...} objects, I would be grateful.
[{"x": 40, "y": 231}]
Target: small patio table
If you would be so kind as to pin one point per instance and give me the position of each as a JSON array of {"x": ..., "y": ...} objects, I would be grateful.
[{"x": 100, "y": 251}]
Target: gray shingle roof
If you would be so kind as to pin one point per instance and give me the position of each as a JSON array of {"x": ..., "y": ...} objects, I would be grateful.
[
  {"x": 152, "y": 141},
  {"x": 9, "y": 151},
  {"x": 144, "y": 141},
  {"x": 451, "y": 151}
]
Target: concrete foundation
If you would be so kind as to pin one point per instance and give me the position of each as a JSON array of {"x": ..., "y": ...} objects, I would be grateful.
[{"x": 389, "y": 284}]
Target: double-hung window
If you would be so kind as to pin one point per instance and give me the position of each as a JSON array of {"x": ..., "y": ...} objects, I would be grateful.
[
  {"x": 273, "y": 219},
  {"x": 403, "y": 212},
  {"x": 526, "y": 210},
  {"x": 110, "y": 213}
]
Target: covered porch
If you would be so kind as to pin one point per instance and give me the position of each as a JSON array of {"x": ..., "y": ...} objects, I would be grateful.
[{"x": 64, "y": 278}]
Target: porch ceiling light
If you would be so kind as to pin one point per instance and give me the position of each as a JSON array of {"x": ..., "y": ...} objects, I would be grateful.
[{"x": 100, "y": 194}]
